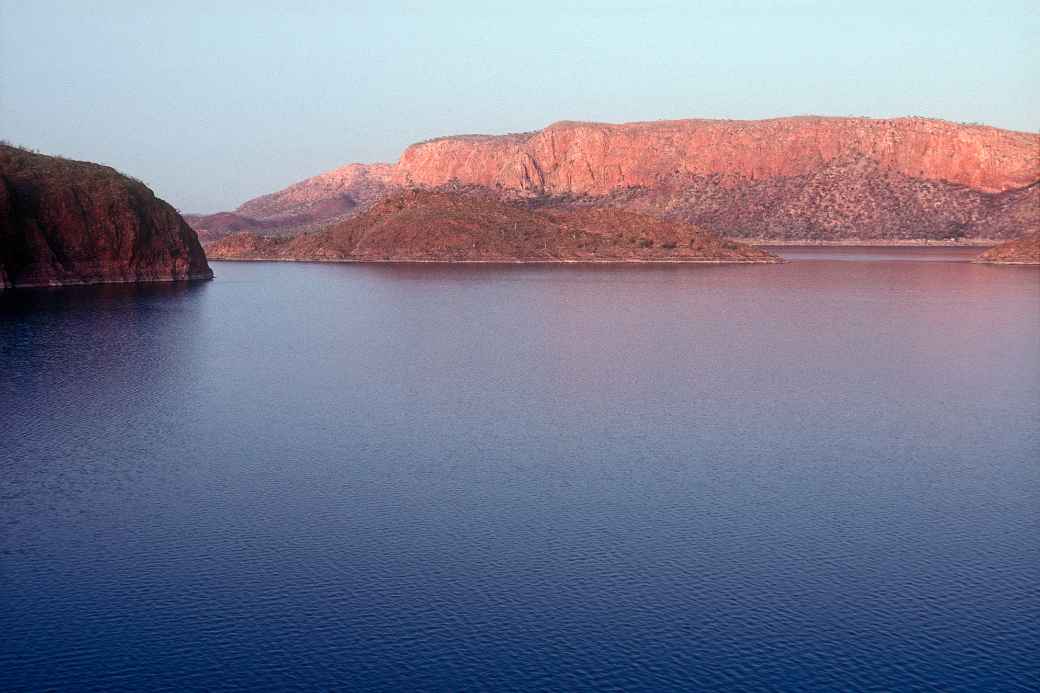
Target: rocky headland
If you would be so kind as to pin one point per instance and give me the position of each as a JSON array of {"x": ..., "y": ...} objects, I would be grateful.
[
  {"x": 1021, "y": 251},
  {"x": 474, "y": 226},
  {"x": 802, "y": 179},
  {"x": 75, "y": 222}
]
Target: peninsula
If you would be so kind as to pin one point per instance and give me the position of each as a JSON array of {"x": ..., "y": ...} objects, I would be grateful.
[
  {"x": 474, "y": 226},
  {"x": 75, "y": 222},
  {"x": 1022, "y": 251}
]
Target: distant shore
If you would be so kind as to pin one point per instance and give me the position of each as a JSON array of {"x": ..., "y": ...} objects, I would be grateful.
[
  {"x": 1022, "y": 263},
  {"x": 877, "y": 243},
  {"x": 57, "y": 284}
]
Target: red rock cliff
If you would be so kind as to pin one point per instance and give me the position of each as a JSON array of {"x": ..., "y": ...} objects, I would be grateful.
[
  {"x": 787, "y": 179},
  {"x": 596, "y": 159},
  {"x": 74, "y": 222}
]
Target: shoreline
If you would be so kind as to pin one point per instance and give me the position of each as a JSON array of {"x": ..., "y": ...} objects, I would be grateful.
[
  {"x": 57, "y": 285},
  {"x": 406, "y": 261},
  {"x": 868, "y": 243}
]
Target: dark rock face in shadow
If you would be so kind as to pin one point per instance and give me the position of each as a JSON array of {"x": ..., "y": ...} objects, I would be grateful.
[{"x": 74, "y": 222}]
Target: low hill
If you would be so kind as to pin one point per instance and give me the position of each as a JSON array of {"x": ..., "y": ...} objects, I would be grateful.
[
  {"x": 1022, "y": 251},
  {"x": 309, "y": 205},
  {"x": 473, "y": 226}
]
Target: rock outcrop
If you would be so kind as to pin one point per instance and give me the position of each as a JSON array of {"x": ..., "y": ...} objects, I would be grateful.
[
  {"x": 1021, "y": 251},
  {"x": 474, "y": 226},
  {"x": 74, "y": 222},
  {"x": 786, "y": 179},
  {"x": 571, "y": 158}
]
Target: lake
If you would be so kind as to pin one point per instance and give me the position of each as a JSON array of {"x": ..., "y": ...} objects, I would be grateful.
[{"x": 819, "y": 475}]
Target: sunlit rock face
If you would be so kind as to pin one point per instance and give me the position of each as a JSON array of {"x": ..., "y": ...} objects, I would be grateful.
[
  {"x": 596, "y": 159},
  {"x": 786, "y": 179}
]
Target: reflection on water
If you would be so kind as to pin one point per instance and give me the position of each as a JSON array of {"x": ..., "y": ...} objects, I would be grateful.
[
  {"x": 26, "y": 301},
  {"x": 816, "y": 475}
]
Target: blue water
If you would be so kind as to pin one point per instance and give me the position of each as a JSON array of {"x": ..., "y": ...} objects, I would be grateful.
[{"x": 823, "y": 475}]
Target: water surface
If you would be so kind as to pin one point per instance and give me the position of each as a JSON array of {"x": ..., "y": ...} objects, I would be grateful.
[{"x": 818, "y": 475}]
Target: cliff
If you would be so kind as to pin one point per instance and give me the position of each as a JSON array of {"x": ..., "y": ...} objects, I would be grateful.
[
  {"x": 74, "y": 222},
  {"x": 1022, "y": 251},
  {"x": 474, "y": 226},
  {"x": 596, "y": 159},
  {"x": 786, "y": 179}
]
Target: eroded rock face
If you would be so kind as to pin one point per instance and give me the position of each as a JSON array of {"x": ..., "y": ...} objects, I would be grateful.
[
  {"x": 570, "y": 158},
  {"x": 1021, "y": 251},
  {"x": 74, "y": 222},
  {"x": 475, "y": 226},
  {"x": 787, "y": 179}
]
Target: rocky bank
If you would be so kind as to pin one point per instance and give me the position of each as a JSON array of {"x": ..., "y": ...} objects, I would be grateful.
[
  {"x": 75, "y": 222},
  {"x": 1021, "y": 251},
  {"x": 785, "y": 179}
]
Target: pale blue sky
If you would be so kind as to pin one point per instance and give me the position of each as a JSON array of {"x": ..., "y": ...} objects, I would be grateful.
[{"x": 214, "y": 105}]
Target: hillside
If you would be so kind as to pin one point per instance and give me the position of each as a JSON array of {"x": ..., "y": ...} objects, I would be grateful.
[
  {"x": 473, "y": 226},
  {"x": 1021, "y": 251},
  {"x": 785, "y": 179},
  {"x": 75, "y": 222},
  {"x": 305, "y": 206}
]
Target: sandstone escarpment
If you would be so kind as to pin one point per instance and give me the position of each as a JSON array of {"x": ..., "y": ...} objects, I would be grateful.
[
  {"x": 1021, "y": 251},
  {"x": 570, "y": 158},
  {"x": 74, "y": 222},
  {"x": 786, "y": 179},
  {"x": 474, "y": 226}
]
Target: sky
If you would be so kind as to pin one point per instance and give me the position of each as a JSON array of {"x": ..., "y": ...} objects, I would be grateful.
[{"x": 212, "y": 103}]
